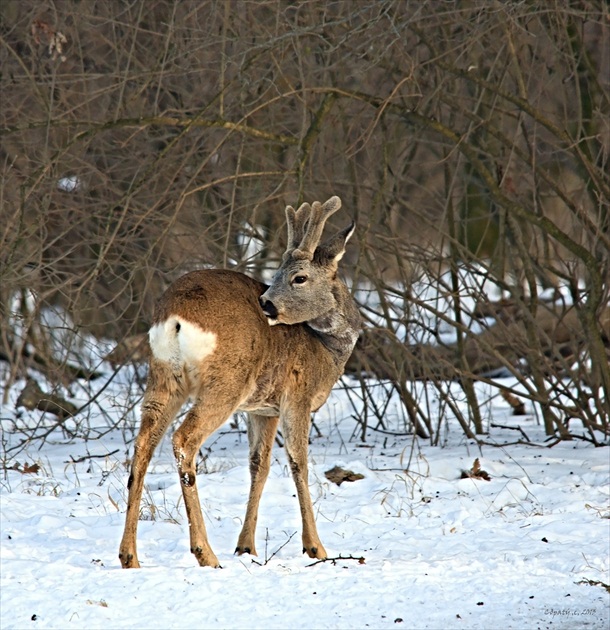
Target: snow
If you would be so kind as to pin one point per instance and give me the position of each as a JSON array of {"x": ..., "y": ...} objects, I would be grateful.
[
  {"x": 70, "y": 183},
  {"x": 526, "y": 549}
]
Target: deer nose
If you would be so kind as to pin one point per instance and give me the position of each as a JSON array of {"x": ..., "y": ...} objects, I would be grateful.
[{"x": 268, "y": 308}]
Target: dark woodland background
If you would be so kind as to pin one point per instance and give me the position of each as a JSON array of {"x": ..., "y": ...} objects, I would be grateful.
[{"x": 140, "y": 139}]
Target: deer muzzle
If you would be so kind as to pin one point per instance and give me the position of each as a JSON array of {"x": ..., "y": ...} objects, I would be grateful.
[{"x": 269, "y": 310}]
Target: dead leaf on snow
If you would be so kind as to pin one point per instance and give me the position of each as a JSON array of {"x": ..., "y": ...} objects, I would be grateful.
[
  {"x": 26, "y": 469},
  {"x": 476, "y": 472},
  {"x": 338, "y": 475}
]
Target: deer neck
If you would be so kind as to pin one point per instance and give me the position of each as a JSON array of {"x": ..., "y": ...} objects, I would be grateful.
[{"x": 338, "y": 329}]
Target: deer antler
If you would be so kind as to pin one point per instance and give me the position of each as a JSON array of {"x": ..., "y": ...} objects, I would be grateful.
[
  {"x": 296, "y": 221},
  {"x": 312, "y": 228}
]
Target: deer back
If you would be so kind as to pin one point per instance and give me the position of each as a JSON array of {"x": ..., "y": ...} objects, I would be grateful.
[{"x": 209, "y": 325}]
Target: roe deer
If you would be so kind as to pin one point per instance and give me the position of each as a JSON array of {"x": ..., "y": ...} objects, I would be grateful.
[{"x": 231, "y": 343}]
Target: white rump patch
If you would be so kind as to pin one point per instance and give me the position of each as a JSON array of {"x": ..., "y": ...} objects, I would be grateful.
[{"x": 179, "y": 341}]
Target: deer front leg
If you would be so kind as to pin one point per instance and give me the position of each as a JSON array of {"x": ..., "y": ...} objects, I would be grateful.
[
  {"x": 295, "y": 429},
  {"x": 158, "y": 410},
  {"x": 261, "y": 433}
]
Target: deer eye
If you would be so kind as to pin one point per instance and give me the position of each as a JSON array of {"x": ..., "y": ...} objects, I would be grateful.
[{"x": 299, "y": 280}]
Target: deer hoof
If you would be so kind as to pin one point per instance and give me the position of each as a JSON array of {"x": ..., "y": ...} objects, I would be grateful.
[
  {"x": 206, "y": 559},
  {"x": 315, "y": 552},
  {"x": 129, "y": 561},
  {"x": 241, "y": 550}
]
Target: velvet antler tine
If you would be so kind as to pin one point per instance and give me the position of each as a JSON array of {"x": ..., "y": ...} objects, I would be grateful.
[
  {"x": 315, "y": 226},
  {"x": 296, "y": 224},
  {"x": 290, "y": 227}
]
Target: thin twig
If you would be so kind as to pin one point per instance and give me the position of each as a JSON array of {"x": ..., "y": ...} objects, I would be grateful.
[
  {"x": 517, "y": 428},
  {"x": 86, "y": 457},
  {"x": 360, "y": 559},
  {"x": 267, "y": 560}
]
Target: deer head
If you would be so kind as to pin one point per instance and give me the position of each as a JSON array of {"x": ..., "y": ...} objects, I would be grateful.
[{"x": 305, "y": 288}]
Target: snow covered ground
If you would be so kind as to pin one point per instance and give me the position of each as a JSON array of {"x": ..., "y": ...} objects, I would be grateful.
[{"x": 527, "y": 549}]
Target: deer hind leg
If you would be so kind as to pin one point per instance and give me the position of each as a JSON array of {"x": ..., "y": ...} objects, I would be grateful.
[
  {"x": 201, "y": 421},
  {"x": 261, "y": 433},
  {"x": 162, "y": 401},
  {"x": 295, "y": 429}
]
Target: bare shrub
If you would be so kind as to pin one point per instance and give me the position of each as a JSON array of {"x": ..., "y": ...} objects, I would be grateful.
[{"x": 470, "y": 142}]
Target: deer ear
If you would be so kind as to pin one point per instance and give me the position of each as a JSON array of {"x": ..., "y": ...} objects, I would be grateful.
[{"x": 334, "y": 248}]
